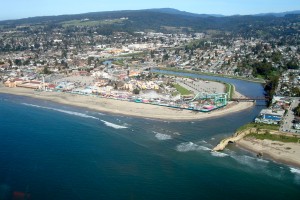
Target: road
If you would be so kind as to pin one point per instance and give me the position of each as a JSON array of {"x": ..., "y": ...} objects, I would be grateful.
[{"x": 287, "y": 122}]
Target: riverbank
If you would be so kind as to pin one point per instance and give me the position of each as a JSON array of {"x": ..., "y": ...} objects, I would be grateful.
[
  {"x": 125, "y": 107},
  {"x": 163, "y": 69}
]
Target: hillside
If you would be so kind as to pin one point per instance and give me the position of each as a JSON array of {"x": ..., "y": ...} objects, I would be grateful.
[{"x": 159, "y": 19}]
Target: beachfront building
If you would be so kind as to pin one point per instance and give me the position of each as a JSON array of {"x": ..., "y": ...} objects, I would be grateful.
[
  {"x": 269, "y": 116},
  {"x": 216, "y": 99},
  {"x": 65, "y": 86},
  {"x": 31, "y": 84}
]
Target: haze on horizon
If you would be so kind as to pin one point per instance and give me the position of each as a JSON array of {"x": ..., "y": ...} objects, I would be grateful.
[{"x": 16, "y": 9}]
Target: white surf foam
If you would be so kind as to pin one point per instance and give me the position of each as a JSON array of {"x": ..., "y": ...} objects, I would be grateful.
[
  {"x": 176, "y": 133},
  {"x": 249, "y": 161},
  {"x": 190, "y": 146},
  {"x": 116, "y": 126},
  {"x": 63, "y": 111},
  {"x": 218, "y": 154},
  {"x": 186, "y": 146},
  {"x": 262, "y": 160},
  {"x": 161, "y": 136},
  {"x": 203, "y": 148},
  {"x": 295, "y": 170}
]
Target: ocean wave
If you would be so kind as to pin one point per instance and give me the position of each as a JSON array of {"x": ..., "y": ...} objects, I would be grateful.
[
  {"x": 176, "y": 133},
  {"x": 252, "y": 162},
  {"x": 295, "y": 170},
  {"x": 190, "y": 146},
  {"x": 262, "y": 160},
  {"x": 62, "y": 111},
  {"x": 161, "y": 136},
  {"x": 116, "y": 126},
  {"x": 218, "y": 154}
]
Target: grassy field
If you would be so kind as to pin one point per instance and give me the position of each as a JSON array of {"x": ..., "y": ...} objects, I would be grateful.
[
  {"x": 182, "y": 90},
  {"x": 274, "y": 137},
  {"x": 264, "y": 132},
  {"x": 259, "y": 126},
  {"x": 118, "y": 62},
  {"x": 229, "y": 90}
]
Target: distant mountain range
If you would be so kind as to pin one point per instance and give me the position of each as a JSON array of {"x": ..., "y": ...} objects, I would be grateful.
[
  {"x": 167, "y": 20},
  {"x": 282, "y": 14},
  {"x": 178, "y": 12},
  {"x": 155, "y": 10}
]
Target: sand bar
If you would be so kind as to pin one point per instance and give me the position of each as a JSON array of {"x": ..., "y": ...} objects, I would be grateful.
[{"x": 125, "y": 107}]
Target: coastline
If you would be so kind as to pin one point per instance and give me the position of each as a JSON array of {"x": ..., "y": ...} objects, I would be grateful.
[
  {"x": 127, "y": 108},
  {"x": 285, "y": 153}
]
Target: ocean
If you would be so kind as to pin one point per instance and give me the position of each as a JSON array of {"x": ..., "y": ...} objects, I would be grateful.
[{"x": 50, "y": 151}]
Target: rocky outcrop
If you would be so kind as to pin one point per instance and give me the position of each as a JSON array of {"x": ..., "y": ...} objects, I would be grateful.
[{"x": 236, "y": 137}]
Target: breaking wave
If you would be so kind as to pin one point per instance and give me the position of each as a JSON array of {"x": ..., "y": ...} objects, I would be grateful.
[
  {"x": 295, "y": 170},
  {"x": 190, "y": 146},
  {"x": 250, "y": 161},
  {"x": 116, "y": 126},
  {"x": 262, "y": 160},
  {"x": 63, "y": 111},
  {"x": 218, "y": 154},
  {"x": 161, "y": 136}
]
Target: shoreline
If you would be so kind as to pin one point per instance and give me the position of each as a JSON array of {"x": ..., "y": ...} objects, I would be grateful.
[
  {"x": 127, "y": 108},
  {"x": 209, "y": 74},
  {"x": 284, "y": 153}
]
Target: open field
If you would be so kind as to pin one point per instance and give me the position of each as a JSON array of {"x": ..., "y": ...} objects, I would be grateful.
[{"x": 182, "y": 90}]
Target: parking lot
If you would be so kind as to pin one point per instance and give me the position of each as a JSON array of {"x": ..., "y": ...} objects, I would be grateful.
[{"x": 287, "y": 122}]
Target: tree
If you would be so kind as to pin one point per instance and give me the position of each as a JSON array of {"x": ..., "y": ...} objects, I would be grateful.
[
  {"x": 18, "y": 62},
  {"x": 276, "y": 57},
  {"x": 292, "y": 65},
  {"x": 46, "y": 70},
  {"x": 152, "y": 54},
  {"x": 136, "y": 91},
  {"x": 297, "y": 110},
  {"x": 165, "y": 57}
]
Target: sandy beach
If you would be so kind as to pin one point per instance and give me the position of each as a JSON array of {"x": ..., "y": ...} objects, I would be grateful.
[
  {"x": 125, "y": 107},
  {"x": 287, "y": 153}
]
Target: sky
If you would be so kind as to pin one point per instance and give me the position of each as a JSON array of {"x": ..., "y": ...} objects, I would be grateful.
[{"x": 16, "y": 9}]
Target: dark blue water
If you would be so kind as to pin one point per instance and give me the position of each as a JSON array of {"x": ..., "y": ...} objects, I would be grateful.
[{"x": 51, "y": 151}]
